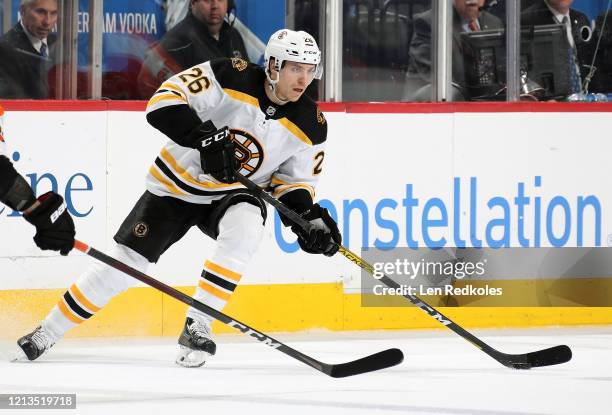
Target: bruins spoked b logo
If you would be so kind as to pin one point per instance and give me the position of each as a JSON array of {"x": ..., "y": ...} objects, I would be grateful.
[
  {"x": 239, "y": 64},
  {"x": 140, "y": 230},
  {"x": 248, "y": 152}
]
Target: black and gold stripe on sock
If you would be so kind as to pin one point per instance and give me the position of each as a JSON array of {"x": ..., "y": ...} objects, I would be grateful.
[
  {"x": 75, "y": 306},
  {"x": 218, "y": 281}
]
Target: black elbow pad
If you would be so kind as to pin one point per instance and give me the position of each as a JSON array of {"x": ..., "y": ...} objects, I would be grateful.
[
  {"x": 15, "y": 192},
  {"x": 177, "y": 122}
]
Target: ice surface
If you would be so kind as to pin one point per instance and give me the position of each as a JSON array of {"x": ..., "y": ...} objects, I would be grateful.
[{"x": 441, "y": 374}]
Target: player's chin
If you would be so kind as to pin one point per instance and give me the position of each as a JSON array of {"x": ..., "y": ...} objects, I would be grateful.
[{"x": 296, "y": 94}]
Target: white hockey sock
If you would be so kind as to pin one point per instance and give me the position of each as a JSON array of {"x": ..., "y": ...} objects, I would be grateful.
[
  {"x": 92, "y": 291},
  {"x": 240, "y": 232}
]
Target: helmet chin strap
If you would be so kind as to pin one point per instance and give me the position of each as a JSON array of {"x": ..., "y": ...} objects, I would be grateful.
[{"x": 272, "y": 88}]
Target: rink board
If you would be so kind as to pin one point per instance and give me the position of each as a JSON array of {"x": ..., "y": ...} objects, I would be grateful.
[
  {"x": 97, "y": 155},
  {"x": 279, "y": 307}
]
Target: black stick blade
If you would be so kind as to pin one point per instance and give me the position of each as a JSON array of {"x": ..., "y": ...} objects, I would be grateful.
[
  {"x": 377, "y": 361},
  {"x": 547, "y": 357},
  {"x": 552, "y": 356}
]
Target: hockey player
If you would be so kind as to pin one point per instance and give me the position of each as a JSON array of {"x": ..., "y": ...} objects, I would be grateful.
[
  {"x": 221, "y": 116},
  {"x": 48, "y": 214}
]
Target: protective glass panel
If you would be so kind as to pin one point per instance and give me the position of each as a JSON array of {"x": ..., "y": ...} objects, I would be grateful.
[
  {"x": 142, "y": 42},
  {"x": 29, "y": 64},
  {"x": 563, "y": 51},
  {"x": 305, "y": 15},
  {"x": 377, "y": 48},
  {"x": 478, "y": 51},
  {"x": 580, "y": 64}
]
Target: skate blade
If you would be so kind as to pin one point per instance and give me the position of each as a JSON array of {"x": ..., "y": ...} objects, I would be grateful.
[
  {"x": 18, "y": 355},
  {"x": 191, "y": 358}
]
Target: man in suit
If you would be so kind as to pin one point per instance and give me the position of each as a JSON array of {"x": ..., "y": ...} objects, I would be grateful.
[
  {"x": 202, "y": 35},
  {"x": 602, "y": 81},
  {"x": 26, "y": 51},
  {"x": 467, "y": 17},
  {"x": 545, "y": 12}
]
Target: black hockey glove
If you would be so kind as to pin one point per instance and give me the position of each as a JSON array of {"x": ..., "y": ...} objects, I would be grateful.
[
  {"x": 323, "y": 237},
  {"x": 217, "y": 155},
  {"x": 54, "y": 226}
]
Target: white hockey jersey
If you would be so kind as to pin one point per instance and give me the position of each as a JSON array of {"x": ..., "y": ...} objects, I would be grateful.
[
  {"x": 3, "y": 150},
  {"x": 278, "y": 146}
]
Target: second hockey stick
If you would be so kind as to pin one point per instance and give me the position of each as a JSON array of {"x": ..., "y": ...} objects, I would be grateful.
[
  {"x": 545, "y": 357},
  {"x": 377, "y": 361}
]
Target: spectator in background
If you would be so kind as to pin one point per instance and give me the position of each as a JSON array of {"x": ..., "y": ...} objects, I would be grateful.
[
  {"x": 545, "y": 12},
  {"x": 176, "y": 10},
  {"x": 26, "y": 51},
  {"x": 202, "y": 35},
  {"x": 467, "y": 17}
]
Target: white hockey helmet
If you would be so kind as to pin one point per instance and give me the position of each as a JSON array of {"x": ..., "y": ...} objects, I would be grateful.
[{"x": 289, "y": 45}]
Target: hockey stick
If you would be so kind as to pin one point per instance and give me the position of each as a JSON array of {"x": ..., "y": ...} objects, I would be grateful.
[
  {"x": 377, "y": 361},
  {"x": 546, "y": 357}
]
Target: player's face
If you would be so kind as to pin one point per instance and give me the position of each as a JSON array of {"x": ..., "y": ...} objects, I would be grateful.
[
  {"x": 211, "y": 12},
  {"x": 468, "y": 9},
  {"x": 560, "y": 4},
  {"x": 39, "y": 17},
  {"x": 294, "y": 78}
]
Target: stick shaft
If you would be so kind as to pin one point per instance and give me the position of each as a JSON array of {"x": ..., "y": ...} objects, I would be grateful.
[
  {"x": 377, "y": 361},
  {"x": 356, "y": 259}
]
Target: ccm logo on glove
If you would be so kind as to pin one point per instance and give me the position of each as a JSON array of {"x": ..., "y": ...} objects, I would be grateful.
[{"x": 218, "y": 136}]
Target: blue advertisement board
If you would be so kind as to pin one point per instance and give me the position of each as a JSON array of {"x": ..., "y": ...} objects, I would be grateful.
[
  {"x": 262, "y": 17},
  {"x": 592, "y": 8}
]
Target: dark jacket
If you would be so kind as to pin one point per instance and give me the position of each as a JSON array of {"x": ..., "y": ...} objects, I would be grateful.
[
  {"x": 185, "y": 45},
  {"x": 23, "y": 71},
  {"x": 602, "y": 81},
  {"x": 539, "y": 14},
  {"x": 420, "y": 47}
]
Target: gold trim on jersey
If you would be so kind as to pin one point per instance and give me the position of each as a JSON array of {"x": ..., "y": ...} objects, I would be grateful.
[
  {"x": 166, "y": 182},
  {"x": 214, "y": 291},
  {"x": 286, "y": 186},
  {"x": 219, "y": 270},
  {"x": 168, "y": 85},
  {"x": 287, "y": 189},
  {"x": 295, "y": 130},
  {"x": 163, "y": 97},
  {"x": 249, "y": 99},
  {"x": 180, "y": 170},
  {"x": 84, "y": 302},
  {"x": 241, "y": 96}
]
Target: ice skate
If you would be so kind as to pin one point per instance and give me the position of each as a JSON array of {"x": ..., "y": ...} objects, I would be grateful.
[
  {"x": 33, "y": 345},
  {"x": 195, "y": 344}
]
